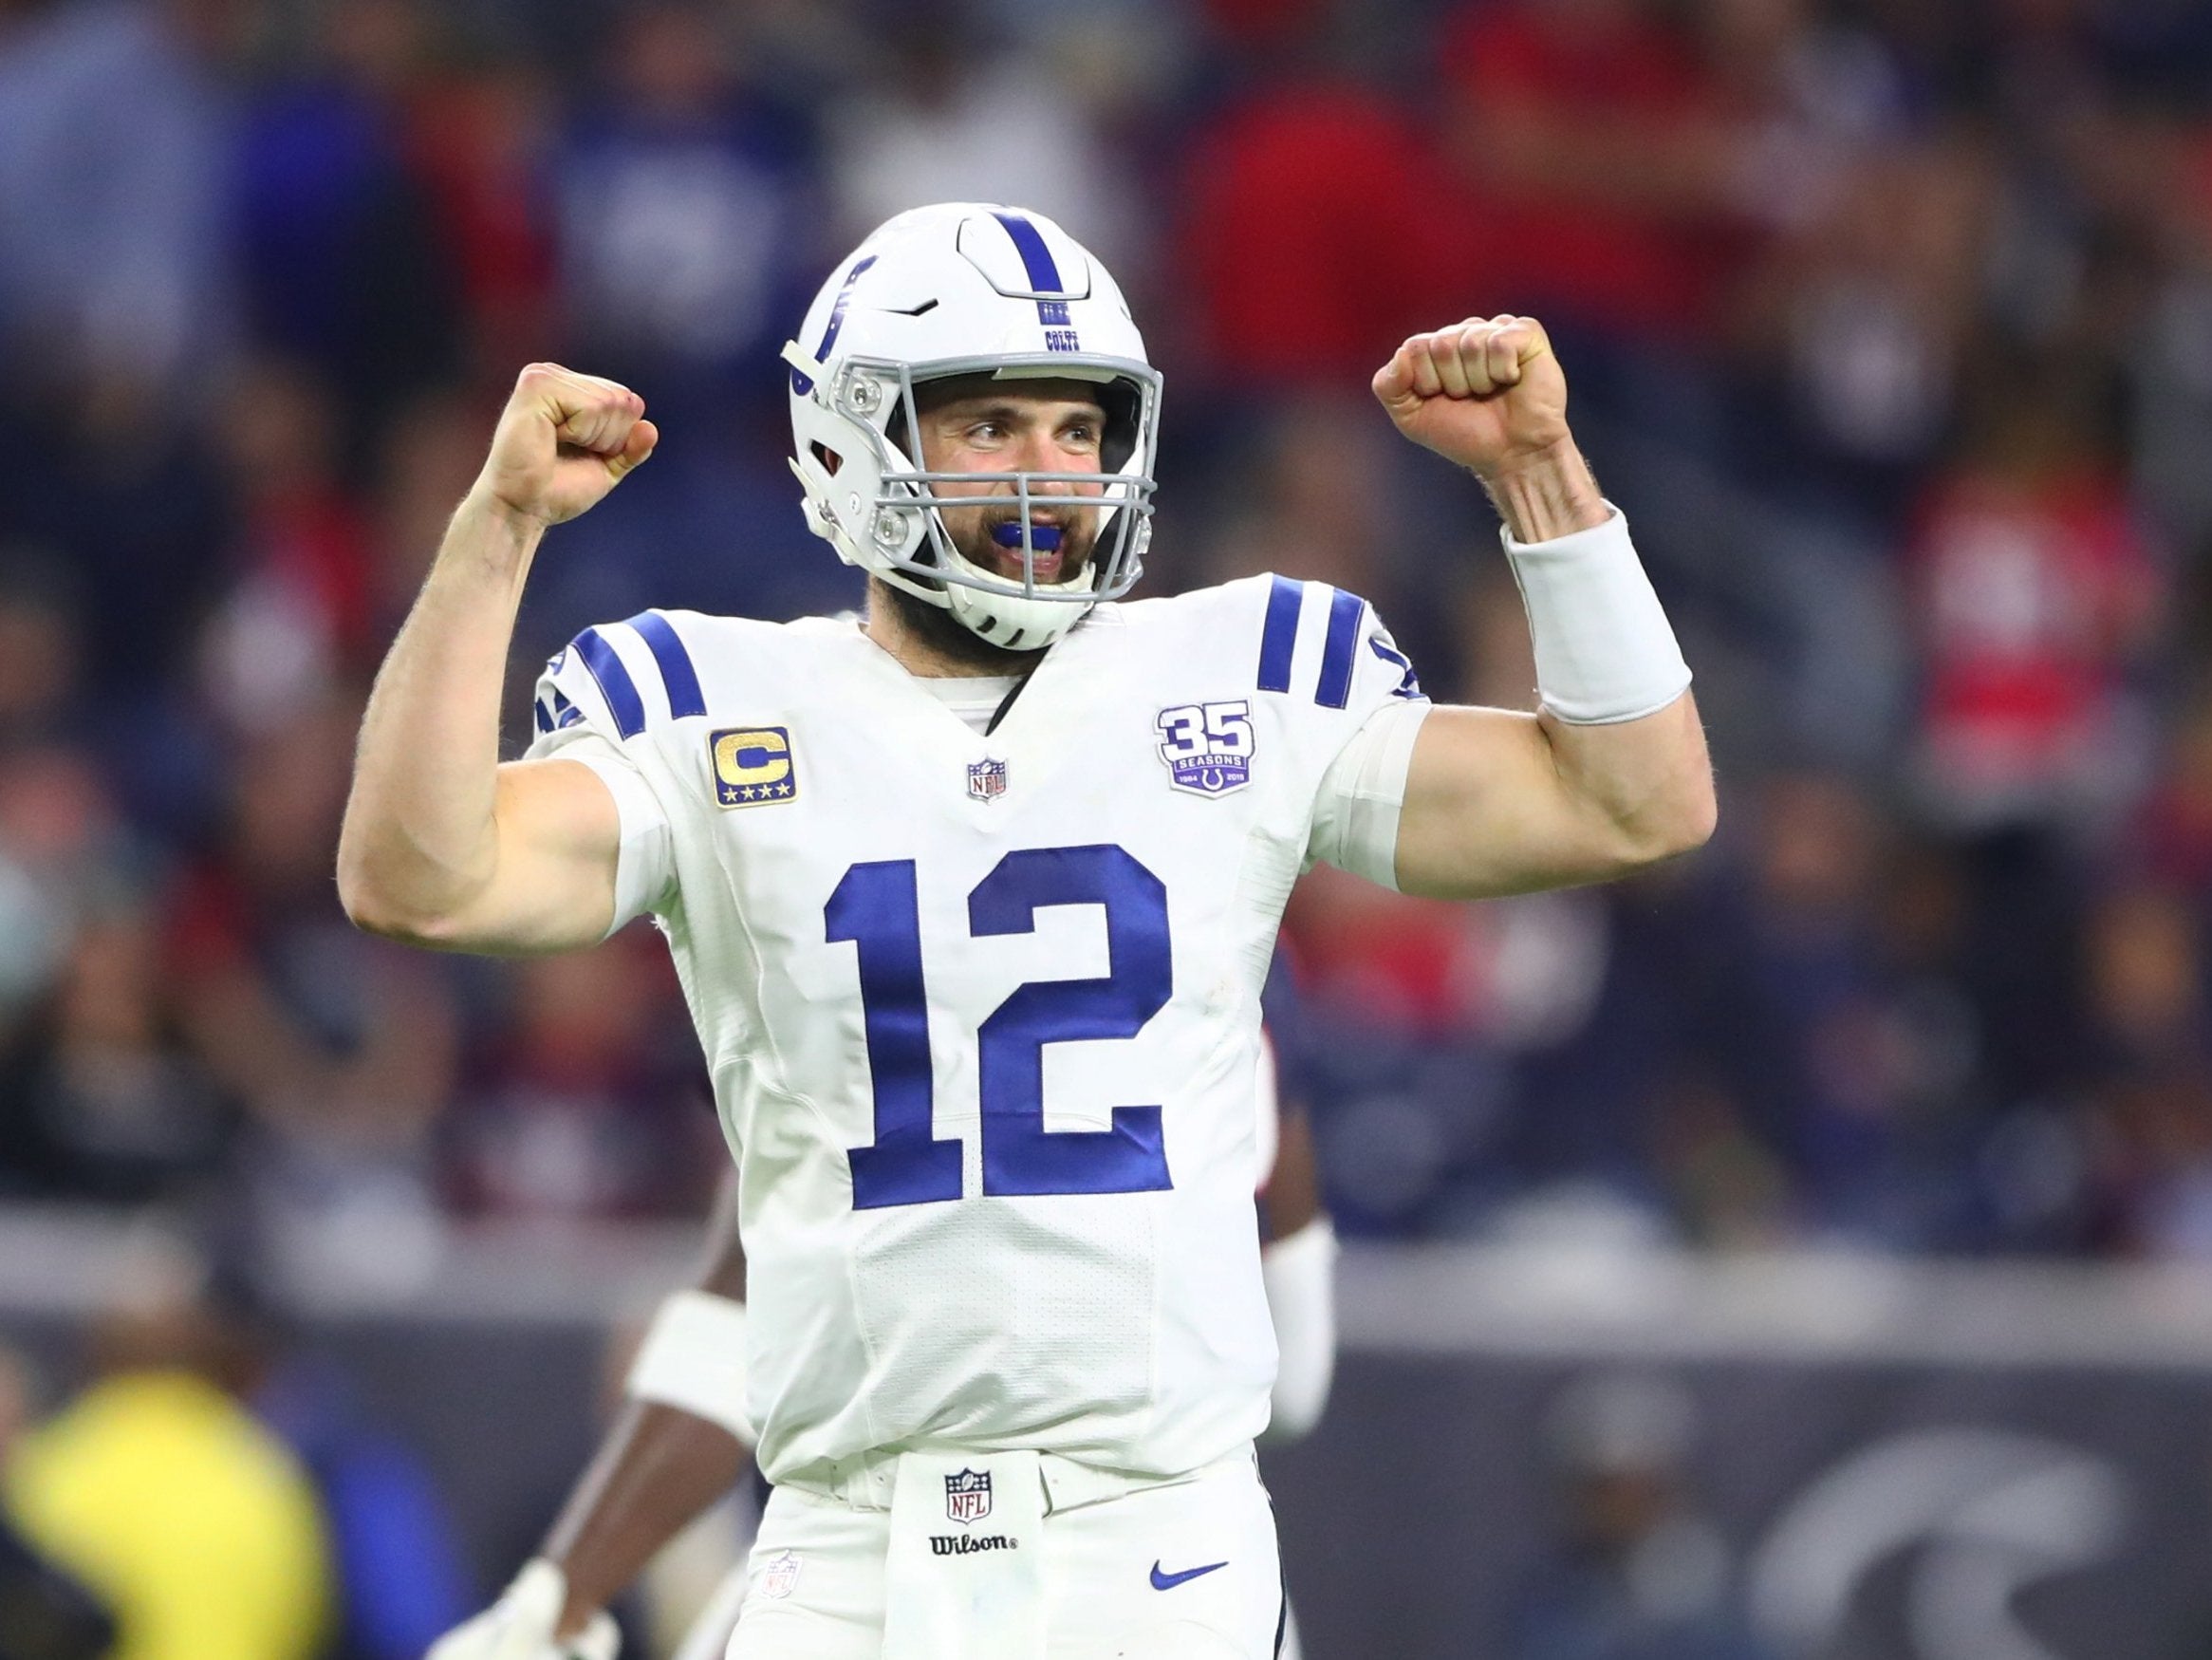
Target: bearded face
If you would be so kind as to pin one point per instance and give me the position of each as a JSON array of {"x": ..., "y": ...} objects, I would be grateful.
[{"x": 978, "y": 424}]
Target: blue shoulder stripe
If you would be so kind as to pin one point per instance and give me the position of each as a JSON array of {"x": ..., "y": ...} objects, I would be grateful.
[
  {"x": 1339, "y": 649},
  {"x": 676, "y": 674},
  {"x": 1278, "y": 638},
  {"x": 615, "y": 684},
  {"x": 1408, "y": 683}
]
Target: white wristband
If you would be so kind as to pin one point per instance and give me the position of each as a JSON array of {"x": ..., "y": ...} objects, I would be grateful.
[
  {"x": 693, "y": 1358},
  {"x": 1604, "y": 651},
  {"x": 1300, "y": 1274}
]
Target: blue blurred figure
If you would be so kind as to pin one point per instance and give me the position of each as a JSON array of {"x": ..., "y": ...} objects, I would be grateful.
[
  {"x": 396, "y": 1553},
  {"x": 1636, "y": 1574},
  {"x": 400, "y": 1576}
]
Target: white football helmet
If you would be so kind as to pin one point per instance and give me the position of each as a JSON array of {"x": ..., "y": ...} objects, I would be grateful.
[{"x": 966, "y": 289}]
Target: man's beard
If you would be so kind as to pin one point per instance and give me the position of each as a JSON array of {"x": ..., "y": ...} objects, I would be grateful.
[
  {"x": 945, "y": 634},
  {"x": 950, "y": 638}
]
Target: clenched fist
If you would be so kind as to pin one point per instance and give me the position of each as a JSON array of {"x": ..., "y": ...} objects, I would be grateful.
[
  {"x": 564, "y": 440},
  {"x": 1486, "y": 393}
]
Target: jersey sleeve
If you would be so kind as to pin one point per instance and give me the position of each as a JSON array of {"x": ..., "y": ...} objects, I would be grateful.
[
  {"x": 585, "y": 709},
  {"x": 1358, "y": 697}
]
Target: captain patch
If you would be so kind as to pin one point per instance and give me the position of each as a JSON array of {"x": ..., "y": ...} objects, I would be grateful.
[{"x": 753, "y": 766}]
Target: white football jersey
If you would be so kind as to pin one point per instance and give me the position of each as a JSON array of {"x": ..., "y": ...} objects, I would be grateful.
[{"x": 982, "y": 1013}]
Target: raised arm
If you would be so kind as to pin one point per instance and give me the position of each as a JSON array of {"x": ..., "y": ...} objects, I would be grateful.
[
  {"x": 1611, "y": 774},
  {"x": 443, "y": 846}
]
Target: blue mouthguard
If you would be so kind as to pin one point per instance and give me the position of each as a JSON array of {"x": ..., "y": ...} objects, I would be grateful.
[{"x": 1044, "y": 538}]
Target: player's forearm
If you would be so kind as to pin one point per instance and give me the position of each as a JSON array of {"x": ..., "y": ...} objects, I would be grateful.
[
  {"x": 660, "y": 1464},
  {"x": 420, "y": 836},
  {"x": 658, "y": 1468},
  {"x": 1624, "y": 739}
]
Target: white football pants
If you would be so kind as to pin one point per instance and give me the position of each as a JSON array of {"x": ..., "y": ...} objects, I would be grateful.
[{"x": 1187, "y": 1571}]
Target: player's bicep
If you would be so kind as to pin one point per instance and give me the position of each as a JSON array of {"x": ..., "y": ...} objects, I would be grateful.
[
  {"x": 558, "y": 832},
  {"x": 1486, "y": 812}
]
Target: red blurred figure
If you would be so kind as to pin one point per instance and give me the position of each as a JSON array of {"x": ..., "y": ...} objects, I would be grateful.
[
  {"x": 480, "y": 142},
  {"x": 1598, "y": 145},
  {"x": 1321, "y": 231},
  {"x": 1321, "y": 226},
  {"x": 2036, "y": 592},
  {"x": 297, "y": 617}
]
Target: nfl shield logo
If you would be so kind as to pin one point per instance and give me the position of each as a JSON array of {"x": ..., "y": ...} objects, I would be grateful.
[
  {"x": 968, "y": 1496},
  {"x": 986, "y": 780},
  {"x": 781, "y": 1577}
]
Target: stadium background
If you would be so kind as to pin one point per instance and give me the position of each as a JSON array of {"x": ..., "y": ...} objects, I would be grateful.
[{"x": 1854, "y": 1174}]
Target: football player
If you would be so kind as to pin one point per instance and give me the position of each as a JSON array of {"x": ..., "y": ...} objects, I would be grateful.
[
  {"x": 972, "y": 902},
  {"x": 679, "y": 1441}
]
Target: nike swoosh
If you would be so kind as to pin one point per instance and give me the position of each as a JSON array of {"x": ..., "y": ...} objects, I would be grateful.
[{"x": 1169, "y": 1582}]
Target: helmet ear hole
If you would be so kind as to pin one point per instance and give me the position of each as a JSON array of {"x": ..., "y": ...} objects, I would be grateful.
[
  {"x": 829, "y": 458},
  {"x": 1125, "y": 406}
]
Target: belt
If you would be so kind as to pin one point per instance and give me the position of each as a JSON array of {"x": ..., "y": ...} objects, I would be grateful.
[{"x": 864, "y": 1481}]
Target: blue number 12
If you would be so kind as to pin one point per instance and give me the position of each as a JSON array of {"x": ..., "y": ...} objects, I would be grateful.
[{"x": 875, "y": 906}]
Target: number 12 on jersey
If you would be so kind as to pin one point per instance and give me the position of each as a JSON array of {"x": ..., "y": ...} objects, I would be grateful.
[{"x": 876, "y": 907}]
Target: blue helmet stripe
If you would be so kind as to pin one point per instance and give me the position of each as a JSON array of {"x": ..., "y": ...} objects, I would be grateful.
[
  {"x": 676, "y": 674},
  {"x": 800, "y": 384},
  {"x": 1035, "y": 257},
  {"x": 1278, "y": 638},
  {"x": 1338, "y": 651},
  {"x": 615, "y": 684}
]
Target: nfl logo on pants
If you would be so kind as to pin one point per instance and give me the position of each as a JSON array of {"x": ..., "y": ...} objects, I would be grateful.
[{"x": 968, "y": 1496}]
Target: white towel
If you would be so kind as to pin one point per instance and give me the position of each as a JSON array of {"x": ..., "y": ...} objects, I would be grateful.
[{"x": 965, "y": 1580}]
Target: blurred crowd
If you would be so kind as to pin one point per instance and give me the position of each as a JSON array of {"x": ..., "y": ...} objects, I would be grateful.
[{"x": 1889, "y": 321}]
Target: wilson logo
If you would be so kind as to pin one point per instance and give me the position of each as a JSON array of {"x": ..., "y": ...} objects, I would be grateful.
[{"x": 963, "y": 1544}]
